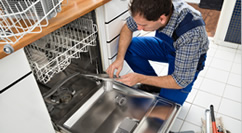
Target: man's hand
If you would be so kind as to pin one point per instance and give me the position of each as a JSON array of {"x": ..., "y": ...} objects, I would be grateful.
[
  {"x": 131, "y": 79},
  {"x": 117, "y": 64}
]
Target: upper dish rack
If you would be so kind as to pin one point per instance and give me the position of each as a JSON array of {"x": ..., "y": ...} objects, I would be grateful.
[
  {"x": 21, "y": 17},
  {"x": 53, "y": 53}
]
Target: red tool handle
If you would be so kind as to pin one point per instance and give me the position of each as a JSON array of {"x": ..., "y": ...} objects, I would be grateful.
[{"x": 214, "y": 127}]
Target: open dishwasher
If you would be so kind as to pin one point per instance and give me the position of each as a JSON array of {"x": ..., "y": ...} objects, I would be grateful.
[
  {"x": 92, "y": 104},
  {"x": 67, "y": 66}
]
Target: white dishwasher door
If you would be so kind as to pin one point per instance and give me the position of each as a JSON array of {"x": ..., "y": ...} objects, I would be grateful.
[
  {"x": 13, "y": 67},
  {"x": 23, "y": 109}
]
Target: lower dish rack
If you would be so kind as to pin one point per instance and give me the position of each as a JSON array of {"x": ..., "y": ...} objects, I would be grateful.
[{"x": 53, "y": 53}]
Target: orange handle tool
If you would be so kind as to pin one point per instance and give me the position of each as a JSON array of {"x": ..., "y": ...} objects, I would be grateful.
[{"x": 215, "y": 130}]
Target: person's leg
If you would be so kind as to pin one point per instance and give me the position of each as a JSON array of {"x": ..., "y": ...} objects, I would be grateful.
[
  {"x": 143, "y": 49},
  {"x": 178, "y": 96}
]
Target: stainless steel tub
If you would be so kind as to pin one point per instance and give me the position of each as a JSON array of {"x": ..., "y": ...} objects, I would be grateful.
[{"x": 121, "y": 109}]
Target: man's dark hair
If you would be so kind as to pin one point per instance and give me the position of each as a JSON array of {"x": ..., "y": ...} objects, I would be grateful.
[{"x": 150, "y": 9}]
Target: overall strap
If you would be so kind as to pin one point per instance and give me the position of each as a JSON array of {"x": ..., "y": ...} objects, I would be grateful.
[{"x": 186, "y": 25}]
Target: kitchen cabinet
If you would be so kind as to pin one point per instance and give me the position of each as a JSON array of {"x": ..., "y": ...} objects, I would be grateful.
[
  {"x": 110, "y": 18},
  {"x": 21, "y": 103}
]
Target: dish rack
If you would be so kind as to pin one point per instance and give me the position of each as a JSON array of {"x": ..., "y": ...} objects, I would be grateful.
[
  {"x": 53, "y": 53},
  {"x": 21, "y": 17}
]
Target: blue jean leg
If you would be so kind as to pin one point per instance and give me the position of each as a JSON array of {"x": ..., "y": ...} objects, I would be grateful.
[
  {"x": 178, "y": 96},
  {"x": 143, "y": 49}
]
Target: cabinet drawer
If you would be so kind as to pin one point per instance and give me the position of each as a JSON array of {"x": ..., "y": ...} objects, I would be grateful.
[
  {"x": 113, "y": 29},
  {"x": 13, "y": 67},
  {"x": 114, "y": 8},
  {"x": 113, "y": 45},
  {"x": 113, "y": 48}
]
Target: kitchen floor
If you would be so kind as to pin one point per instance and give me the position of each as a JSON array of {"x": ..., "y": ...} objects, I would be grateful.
[{"x": 218, "y": 84}]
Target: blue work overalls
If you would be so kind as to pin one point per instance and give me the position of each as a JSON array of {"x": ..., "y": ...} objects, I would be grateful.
[{"x": 160, "y": 48}]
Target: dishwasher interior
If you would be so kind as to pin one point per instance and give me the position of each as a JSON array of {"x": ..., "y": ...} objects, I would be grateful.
[{"x": 78, "y": 103}]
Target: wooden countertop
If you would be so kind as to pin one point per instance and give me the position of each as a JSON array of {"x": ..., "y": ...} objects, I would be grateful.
[{"x": 70, "y": 12}]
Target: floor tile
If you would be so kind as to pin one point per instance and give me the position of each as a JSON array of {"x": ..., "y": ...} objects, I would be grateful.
[
  {"x": 158, "y": 67},
  {"x": 237, "y": 58},
  {"x": 238, "y": 51},
  {"x": 204, "y": 71},
  {"x": 230, "y": 108},
  {"x": 222, "y": 48},
  {"x": 193, "y": 1},
  {"x": 195, "y": 114},
  {"x": 234, "y": 79},
  {"x": 164, "y": 71},
  {"x": 233, "y": 125},
  {"x": 211, "y": 44},
  {"x": 143, "y": 33},
  {"x": 177, "y": 125},
  {"x": 218, "y": 75},
  {"x": 224, "y": 55},
  {"x": 190, "y": 127},
  {"x": 240, "y": 47},
  {"x": 233, "y": 93},
  {"x": 208, "y": 61},
  {"x": 221, "y": 64},
  {"x": 205, "y": 99},
  {"x": 236, "y": 68},
  {"x": 183, "y": 113},
  {"x": 147, "y": 33},
  {"x": 211, "y": 52},
  {"x": 191, "y": 96},
  {"x": 213, "y": 87},
  {"x": 198, "y": 82},
  {"x": 150, "y": 34}
]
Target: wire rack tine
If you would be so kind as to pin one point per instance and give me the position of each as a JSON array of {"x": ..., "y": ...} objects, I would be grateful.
[
  {"x": 53, "y": 53},
  {"x": 21, "y": 17}
]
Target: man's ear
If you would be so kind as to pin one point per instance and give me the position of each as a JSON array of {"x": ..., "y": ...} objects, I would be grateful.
[{"x": 162, "y": 19}]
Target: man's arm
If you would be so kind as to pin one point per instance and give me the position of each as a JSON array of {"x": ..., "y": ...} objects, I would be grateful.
[
  {"x": 160, "y": 81},
  {"x": 124, "y": 41}
]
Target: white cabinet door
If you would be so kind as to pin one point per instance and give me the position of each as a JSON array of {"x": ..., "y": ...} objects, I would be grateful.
[
  {"x": 114, "y": 8},
  {"x": 110, "y": 19},
  {"x": 113, "y": 29},
  {"x": 22, "y": 109},
  {"x": 13, "y": 67}
]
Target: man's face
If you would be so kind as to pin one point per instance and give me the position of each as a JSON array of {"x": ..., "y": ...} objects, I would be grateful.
[{"x": 144, "y": 24}]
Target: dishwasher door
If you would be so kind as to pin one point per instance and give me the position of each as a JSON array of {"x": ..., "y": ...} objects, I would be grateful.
[{"x": 122, "y": 109}]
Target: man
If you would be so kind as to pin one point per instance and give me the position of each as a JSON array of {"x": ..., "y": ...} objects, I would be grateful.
[{"x": 180, "y": 40}]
